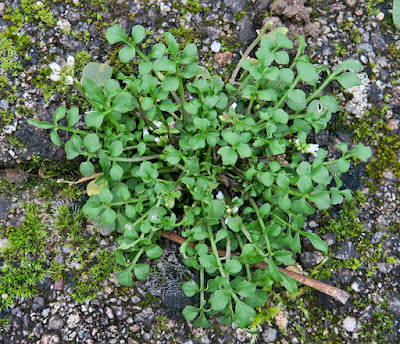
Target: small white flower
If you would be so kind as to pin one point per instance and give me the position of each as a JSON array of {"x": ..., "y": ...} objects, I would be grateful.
[
  {"x": 312, "y": 149},
  {"x": 69, "y": 80},
  {"x": 55, "y": 77},
  {"x": 233, "y": 106},
  {"x": 55, "y": 68},
  {"x": 235, "y": 198},
  {"x": 145, "y": 131},
  {"x": 235, "y": 210},
  {"x": 226, "y": 221},
  {"x": 229, "y": 210},
  {"x": 157, "y": 140},
  {"x": 70, "y": 61},
  {"x": 297, "y": 142},
  {"x": 155, "y": 218},
  {"x": 157, "y": 124},
  {"x": 219, "y": 195}
]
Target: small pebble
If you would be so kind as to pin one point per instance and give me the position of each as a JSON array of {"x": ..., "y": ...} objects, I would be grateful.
[
  {"x": 350, "y": 324},
  {"x": 216, "y": 46}
]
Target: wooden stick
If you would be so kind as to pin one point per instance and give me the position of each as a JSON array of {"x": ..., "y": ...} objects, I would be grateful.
[{"x": 327, "y": 289}]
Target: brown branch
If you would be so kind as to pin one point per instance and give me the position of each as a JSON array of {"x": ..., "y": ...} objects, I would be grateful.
[{"x": 327, "y": 289}]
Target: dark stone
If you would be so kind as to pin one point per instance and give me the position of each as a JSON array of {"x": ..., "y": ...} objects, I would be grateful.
[
  {"x": 393, "y": 304},
  {"x": 352, "y": 178},
  {"x": 384, "y": 75},
  {"x": 375, "y": 94},
  {"x": 55, "y": 323},
  {"x": 5, "y": 205},
  {"x": 72, "y": 43},
  {"x": 311, "y": 258},
  {"x": 38, "y": 304},
  {"x": 50, "y": 339},
  {"x": 213, "y": 32},
  {"x": 346, "y": 251},
  {"x": 262, "y": 5},
  {"x": 377, "y": 237},
  {"x": 247, "y": 33},
  {"x": 38, "y": 330},
  {"x": 235, "y": 6},
  {"x": 378, "y": 42},
  {"x": 345, "y": 276},
  {"x": 327, "y": 301},
  {"x": 392, "y": 245},
  {"x": 73, "y": 16},
  {"x": 37, "y": 141}
]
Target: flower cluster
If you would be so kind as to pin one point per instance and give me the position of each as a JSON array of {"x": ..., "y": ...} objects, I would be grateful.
[
  {"x": 65, "y": 73},
  {"x": 306, "y": 148}
]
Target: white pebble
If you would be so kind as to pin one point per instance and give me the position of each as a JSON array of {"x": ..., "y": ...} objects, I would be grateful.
[
  {"x": 380, "y": 16},
  {"x": 216, "y": 46},
  {"x": 350, "y": 324}
]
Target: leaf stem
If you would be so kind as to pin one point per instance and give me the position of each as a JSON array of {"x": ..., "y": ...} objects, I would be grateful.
[{"x": 138, "y": 159}]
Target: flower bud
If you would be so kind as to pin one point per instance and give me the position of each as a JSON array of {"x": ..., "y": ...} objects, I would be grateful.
[
  {"x": 70, "y": 61},
  {"x": 55, "y": 68},
  {"x": 69, "y": 80},
  {"x": 55, "y": 77}
]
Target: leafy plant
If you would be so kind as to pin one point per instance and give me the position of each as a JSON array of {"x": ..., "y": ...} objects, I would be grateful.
[
  {"x": 396, "y": 12},
  {"x": 228, "y": 165}
]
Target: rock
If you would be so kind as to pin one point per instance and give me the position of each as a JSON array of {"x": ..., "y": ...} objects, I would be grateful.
[
  {"x": 50, "y": 339},
  {"x": 270, "y": 335},
  {"x": 385, "y": 268},
  {"x": 377, "y": 237},
  {"x": 213, "y": 32},
  {"x": 329, "y": 238},
  {"x": 216, "y": 46},
  {"x": 311, "y": 258},
  {"x": 73, "y": 16},
  {"x": 346, "y": 251},
  {"x": 73, "y": 319},
  {"x": 351, "y": 3},
  {"x": 380, "y": 16},
  {"x": 378, "y": 42},
  {"x": 59, "y": 284},
  {"x": 393, "y": 304},
  {"x": 358, "y": 285},
  {"x": 235, "y": 6},
  {"x": 55, "y": 323},
  {"x": 247, "y": 33},
  {"x": 38, "y": 304},
  {"x": 375, "y": 94},
  {"x": 223, "y": 58},
  {"x": 345, "y": 276},
  {"x": 4, "y": 104},
  {"x": 64, "y": 24},
  {"x": 350, "y": 324}
]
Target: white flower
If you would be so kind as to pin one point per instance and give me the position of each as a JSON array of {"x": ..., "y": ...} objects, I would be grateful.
[
  {"x": 235, "y": 210},
  {"x": 157, "y": 124},
  {"x": 219, "y": 195},
  {"x": 233, "y": 106},
  {"x": 69, "y": 80},
  {"x": 312, "y": 149},
  {"x": 70, "y": 61},
  {"x": 157, "y": 140},
  {"x": 55, "y": 77},
  {"x": 226, "y": 221},
  {"x": 55, "y": 68},
  {"x": 297, "y": 142},
  {"x": 229, "y": 210},
  {"x": 145, "y": 131}
]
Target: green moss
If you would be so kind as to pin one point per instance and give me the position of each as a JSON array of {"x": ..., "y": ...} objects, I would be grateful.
[
  {"x": 377, "y": 329},
  {"x": 3, "y": 323},
  {"x": 89, "y": 278},
  {"x": 38, "y": 12},
  {"x": 8, "y": 56}
]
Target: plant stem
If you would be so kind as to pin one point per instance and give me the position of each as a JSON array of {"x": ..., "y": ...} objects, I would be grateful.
[
  {"x": 142, "y": 158},
  {"x": 215, "y": 250},
  {"x": 262, "y": 224}
]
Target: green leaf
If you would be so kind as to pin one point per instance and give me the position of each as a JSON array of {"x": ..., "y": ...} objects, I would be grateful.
[
  {"x": 197, "y": 141},
  {"x": 70, "y": 149},
  {"x": 250, "y": 255},
  {"x": 266, "y": 178},
  {"x": 305, "y": 184},
  {"x": 244, "y": 314},
  {"x": 282, "y": 181},
  {"x": 189, "y": 54},
  {"x": 158, "y": 50},
  {"x": 316, "y": 241},
  {"x": 202, "y": 322},
  {"x": 277, "y": 146},
  {"x": 138, "y": 34},
  {"x": 94, "y": 119},
  {"x": 304, "y": 168},
  {"x": 245, "y": 288},
  {"x": 141, "y": 271},
  {"x": 286, "y": 75},
  {"x": 265, "y": 209},
  {"x": 99, "y": 73},
  {"x": 208, "y": 261},
  {"x": 322, "y": 200},
  {"x": 321, "y": 175},
  {"x": 116, "y": 34},
  {"x": 289, "y": 283},
  {"x": 126, "y": 54},
  {"x": 109, "y": 216},
  {"x": 280, "y": 116},
  {"x": 86, "y": 168},
  {"x": 257, "y": 299},
  {"x": 216, "y": 209},
  {"x": 298, "y": 96},
  {"x": 348, "y": 79},
  {"x": 73, "y": 116},
  {"x": 219, "y": 300},
  {"x": 59, "y": 114},
  {"x": 55, "y": 138},
  {"x": 307, "y": 72},
  {"x": 40, "y": 125},
  {"x": 244, "y": 150},
  {"x": 153, "y": 251},
  {"x": 130, "y": 211},
  {"x": 164, "y": 64},
  {"x": 106, "y": 196},
  {"x": 116, "y": 172},
  {"x": 396, "y": 12},
  {"x": 91, "y": 143},
  {"x": 361, "y": 152},
  {"x": 190, "y": 70},
  {"x": 284, "y": 202},
  {"x": 283, "y": 255},
  {"x": 170, "y": 84},
  {"x": 92, "y": 208},
  {"x": 190, "y": 313},
  {"x": 173, "y": 46},
  {"x": 93, "y": 91},
  {"x": 123, "y": 102},
  {"x": 233, "y": 266},
  {"x": 174, "y": 157},
  {"x": 235, "y": 223},
  {"x": 229, "y": 156},
  {"x": 201, "y": 123},
  {"x": 353, "y": 65},
  {"x": 231, "y": 137},
  {"x": 125, "y": 277},
  {"x": 116, "y": 148},
  {"x": 190, "y": 288},
  {"x": 282, "y": 57}
]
